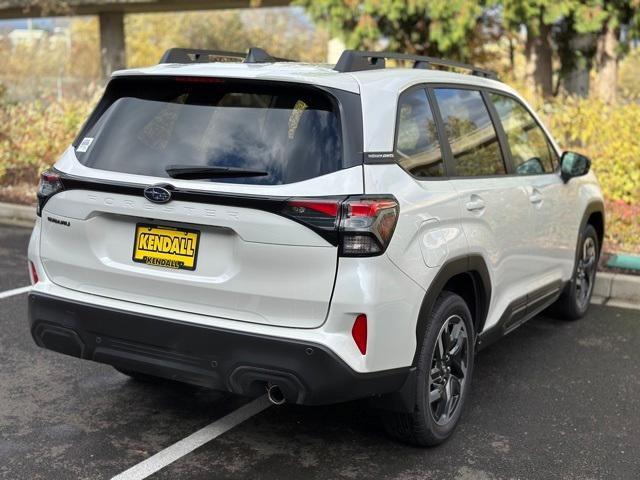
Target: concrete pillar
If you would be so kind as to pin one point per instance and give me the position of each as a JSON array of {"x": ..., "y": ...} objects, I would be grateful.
[{"x": 112, "y": 51}]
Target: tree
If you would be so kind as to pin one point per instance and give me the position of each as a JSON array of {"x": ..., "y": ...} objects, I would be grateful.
[
  {"x": 604, "y": 29},
  {"x": 575, "y": 37},
  {"x": 537, "y": 17},
  {"x": 423, "y": 27},
  {"x": 628, "y": 77},
  {"x": 617, "y": 17}
]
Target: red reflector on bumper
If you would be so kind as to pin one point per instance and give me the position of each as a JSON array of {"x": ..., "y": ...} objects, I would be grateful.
[{"x": 359, "y": 333}]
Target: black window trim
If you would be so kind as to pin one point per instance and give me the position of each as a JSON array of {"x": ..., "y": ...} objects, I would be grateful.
[
  {"x": 445, "y": 147},
  {"x": 449, "y": 168}
]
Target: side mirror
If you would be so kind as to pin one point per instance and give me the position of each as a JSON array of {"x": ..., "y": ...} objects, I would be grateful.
[{"x": 573, "y": 164}]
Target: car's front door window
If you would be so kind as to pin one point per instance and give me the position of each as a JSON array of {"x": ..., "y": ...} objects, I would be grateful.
[{"x": 530, "y": 151}]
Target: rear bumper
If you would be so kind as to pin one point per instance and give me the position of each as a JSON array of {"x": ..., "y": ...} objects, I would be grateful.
[{"x": 238, "y": 362}]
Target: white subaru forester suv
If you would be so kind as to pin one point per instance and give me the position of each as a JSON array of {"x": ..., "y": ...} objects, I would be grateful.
[{"x": 325, "y": 233}]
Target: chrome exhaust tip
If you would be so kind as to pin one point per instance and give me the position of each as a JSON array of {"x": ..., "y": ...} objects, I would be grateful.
[{"x": 275, "y": 395}]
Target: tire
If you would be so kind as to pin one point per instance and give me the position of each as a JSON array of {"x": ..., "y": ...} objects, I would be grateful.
[
  {"x": 140, "y": 377},
  {"x": 574, "y": 301},
  {"x": 429, "y": 424}
]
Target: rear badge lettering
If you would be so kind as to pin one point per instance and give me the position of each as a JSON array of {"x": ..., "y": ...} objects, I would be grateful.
[
  {"x": 381, "y": 157},
  {"x": 59, "y": 222}
]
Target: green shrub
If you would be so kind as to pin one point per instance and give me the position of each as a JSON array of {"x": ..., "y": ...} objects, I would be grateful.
[
  {"x": 606, "y": 134},
  {"x": 623, "y": 227},
  {"x": 33, "y": 135}
]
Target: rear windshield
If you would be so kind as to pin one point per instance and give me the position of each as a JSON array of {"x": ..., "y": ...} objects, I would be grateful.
[{"x": 143, "y": 126}]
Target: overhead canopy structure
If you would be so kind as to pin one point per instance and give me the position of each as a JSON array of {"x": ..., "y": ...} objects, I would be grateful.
[{"x": 111, "y": 14}]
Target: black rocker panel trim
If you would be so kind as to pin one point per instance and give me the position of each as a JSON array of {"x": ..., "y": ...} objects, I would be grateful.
[{"x": 520, "y": 311}]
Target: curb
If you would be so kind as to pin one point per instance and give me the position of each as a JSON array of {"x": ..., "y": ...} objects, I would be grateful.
[
  {"x": 609, "y": 287},
  {"x": 17, "y": 214},
  {"x": 618, "y": 287}
]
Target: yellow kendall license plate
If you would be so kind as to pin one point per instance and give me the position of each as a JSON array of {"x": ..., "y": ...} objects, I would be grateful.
[{"x": 166, "y": 246}]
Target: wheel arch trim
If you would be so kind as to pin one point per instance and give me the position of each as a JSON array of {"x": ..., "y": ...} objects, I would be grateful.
[
  {"x": 594, "y": 206},
  {"x": 474, "y": 265}
]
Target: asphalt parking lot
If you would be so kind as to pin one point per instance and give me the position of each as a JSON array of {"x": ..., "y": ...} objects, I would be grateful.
[{"x": 552, "y": 400}]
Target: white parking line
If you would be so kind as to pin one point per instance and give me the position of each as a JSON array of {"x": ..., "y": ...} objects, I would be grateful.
[
  {"x": 193, "y": 441},
  {"x": 15, "y": 291}
]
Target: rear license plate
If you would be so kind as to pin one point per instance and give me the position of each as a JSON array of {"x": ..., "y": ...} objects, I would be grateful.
[{"x": 167, "y": 247}]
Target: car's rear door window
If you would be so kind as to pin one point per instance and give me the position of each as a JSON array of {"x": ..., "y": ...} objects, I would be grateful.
[
  {"x": 530, "y": 151},
  {"x": 471, "y": 134},
  {"x": 292, "y": 133}
]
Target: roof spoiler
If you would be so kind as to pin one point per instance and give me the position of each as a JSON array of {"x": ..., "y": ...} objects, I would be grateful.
[
  {"x": 194, "y": 55},
  {"x": 355, "y": 61}
]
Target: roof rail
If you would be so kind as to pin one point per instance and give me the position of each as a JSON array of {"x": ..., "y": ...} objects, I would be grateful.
[
  {"x": 194, "y": 55},
  {"x": 355, "y": 61}
]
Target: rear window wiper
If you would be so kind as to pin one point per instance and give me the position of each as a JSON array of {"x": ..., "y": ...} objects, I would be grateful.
[{"x": 193, "y": 172}]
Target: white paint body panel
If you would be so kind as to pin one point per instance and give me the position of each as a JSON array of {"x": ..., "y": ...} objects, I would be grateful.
[{"x": 428, "y": 230}]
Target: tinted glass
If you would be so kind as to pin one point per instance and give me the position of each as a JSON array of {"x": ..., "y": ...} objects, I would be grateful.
[
  {"x": 291, "y": 133},
  {"x": 472, "y": 136},
  {"x": 530, "y": 150},
  {"x": 417, "y": 144}
]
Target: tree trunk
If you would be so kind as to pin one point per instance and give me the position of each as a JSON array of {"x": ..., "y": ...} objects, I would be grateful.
[
  {"x": 538, "y": 54},
  {"x": 606, "y": 64}
]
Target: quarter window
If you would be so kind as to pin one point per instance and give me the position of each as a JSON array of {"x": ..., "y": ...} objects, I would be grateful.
[
  {"x": 417, "y": 140},
  {"x": 472, "y": 137},
  {"x": 531, "y": 152}
]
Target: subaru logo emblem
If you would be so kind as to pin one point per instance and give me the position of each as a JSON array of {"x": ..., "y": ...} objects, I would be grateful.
[{"x": 157, "y": 194}]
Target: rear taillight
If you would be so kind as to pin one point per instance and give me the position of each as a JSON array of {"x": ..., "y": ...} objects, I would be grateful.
[
  {"x": 319, "y": 213},
  {"x": 361, "y": 225},
  {"x": 50, "y": 184},
  {"x": 367, "y": 224}
]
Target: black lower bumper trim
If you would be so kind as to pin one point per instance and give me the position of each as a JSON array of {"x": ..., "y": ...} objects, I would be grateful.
[{"x": 229, "y": 360}]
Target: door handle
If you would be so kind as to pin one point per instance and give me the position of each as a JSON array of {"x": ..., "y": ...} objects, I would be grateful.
[
  {"x": 535, "y": 197},
  {"x": 475, "y": 204}
]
